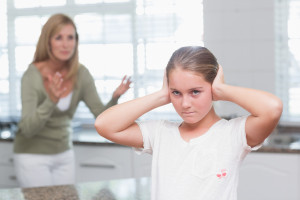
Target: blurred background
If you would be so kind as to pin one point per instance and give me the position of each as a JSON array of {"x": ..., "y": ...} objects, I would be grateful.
[{"x": 256, "y": 41}]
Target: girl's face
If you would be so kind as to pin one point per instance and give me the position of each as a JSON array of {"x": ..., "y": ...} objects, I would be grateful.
[
  {"x": 63, "y": 43},
  {"x": 190, "y": 95}
]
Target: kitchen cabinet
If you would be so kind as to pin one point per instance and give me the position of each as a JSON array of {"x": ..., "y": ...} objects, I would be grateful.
[
  {"x": 102, "y": 162},
  {"x": 263, "y": 175},
  {"x": 273, "y": 176},
  {"x": 141, "y": 165},
  {"x": 92, "y": 162},
  {"x": 7, "y": 173}
]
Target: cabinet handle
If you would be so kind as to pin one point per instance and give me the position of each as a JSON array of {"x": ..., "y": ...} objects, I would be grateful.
[
  {"x": 12, "y": 177},
  {"x": 107, "y": 166}
]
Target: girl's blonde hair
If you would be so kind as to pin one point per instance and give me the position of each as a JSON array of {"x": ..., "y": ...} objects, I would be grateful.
[
  {"x": 196, "y": 59},
  {"x": 43, "y": 50}
]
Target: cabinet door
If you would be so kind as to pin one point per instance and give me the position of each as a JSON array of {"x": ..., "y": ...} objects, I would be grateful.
[
  {"x": 269, "y": 176},
  {"x": 7, "y": 177},
  {"x": 94, "y": 163},
  {"x": 7, "y": 173},
  {"x": 142, "y": 165}
]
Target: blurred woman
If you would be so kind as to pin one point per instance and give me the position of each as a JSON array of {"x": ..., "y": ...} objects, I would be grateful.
[{"x": 52, "y": 87}]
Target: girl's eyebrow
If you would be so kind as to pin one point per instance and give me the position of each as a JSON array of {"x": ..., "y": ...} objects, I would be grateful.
[{"x": 196, "y": 88}]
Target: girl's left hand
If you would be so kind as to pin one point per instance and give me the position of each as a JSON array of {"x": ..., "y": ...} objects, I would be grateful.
[
  {"x": 122, "y": 88},
  {"x": 165, "y": 88},
  {"x": 217, "y": 85}
]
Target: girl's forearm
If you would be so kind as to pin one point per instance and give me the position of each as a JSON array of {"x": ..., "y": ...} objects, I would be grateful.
[
  {"x": 121, "y": 116},
  {"x": 256, "y": 102}
]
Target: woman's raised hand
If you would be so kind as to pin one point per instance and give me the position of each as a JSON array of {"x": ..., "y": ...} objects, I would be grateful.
[{"x": 122, "y": 88}]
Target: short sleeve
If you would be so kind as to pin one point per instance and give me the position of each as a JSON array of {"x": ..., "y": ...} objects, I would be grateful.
[
  {"x": 238, "y": 128},
  {"x": 149, "y": 130}
]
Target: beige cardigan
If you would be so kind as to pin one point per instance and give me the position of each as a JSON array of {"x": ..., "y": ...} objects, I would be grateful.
[{"x": 43, "y": 128}]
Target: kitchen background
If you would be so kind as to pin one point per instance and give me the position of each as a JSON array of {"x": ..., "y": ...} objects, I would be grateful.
[{"x": 256, "y": 41}]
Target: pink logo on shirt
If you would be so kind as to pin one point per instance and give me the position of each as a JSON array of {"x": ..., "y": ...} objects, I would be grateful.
[{"x": 223, "y": 174}]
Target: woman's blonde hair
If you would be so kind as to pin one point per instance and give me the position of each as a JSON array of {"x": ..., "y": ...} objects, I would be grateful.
[
  {"x": 196, "y": 59},
  {"x": 43, "y": 50}
]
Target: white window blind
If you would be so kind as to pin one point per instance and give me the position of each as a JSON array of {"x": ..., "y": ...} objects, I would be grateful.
[
  {"x": 116, "y": 38},
  {"x": 4, "y": 67},
  {"x": 288, "y": 58}
]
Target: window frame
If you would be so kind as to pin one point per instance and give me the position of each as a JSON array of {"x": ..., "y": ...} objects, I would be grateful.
[
  {"x": 283, "y": 61},
  {"x": 72, "y": 10}
]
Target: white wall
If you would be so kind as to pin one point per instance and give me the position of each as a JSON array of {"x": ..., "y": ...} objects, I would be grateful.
[{"x": 241, "y": 35}]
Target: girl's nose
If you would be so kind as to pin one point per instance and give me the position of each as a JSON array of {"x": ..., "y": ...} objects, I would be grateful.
[{"x": 186, "y": 102}]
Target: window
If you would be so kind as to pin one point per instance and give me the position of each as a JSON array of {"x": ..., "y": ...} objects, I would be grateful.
[
  {"x": 4, "y": 75},
  {"x": 288, "y": 58},
  {"x": 117, "y": 37}
]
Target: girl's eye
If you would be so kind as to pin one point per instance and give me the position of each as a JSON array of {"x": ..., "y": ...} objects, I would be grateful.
[
  {"x": 196, "y": 92},
  {"x": 71, "y": 37},
  {"x": 176, "y": 93}
]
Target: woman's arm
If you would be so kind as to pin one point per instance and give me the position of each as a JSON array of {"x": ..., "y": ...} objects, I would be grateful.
[
  {"x": 91, "y": 97},
  {"x": 265, "y": 109},
  {"x": 34, "y": 115},
  {"x": 118, "y": 122},
  {"x": 122, "y": 88}
]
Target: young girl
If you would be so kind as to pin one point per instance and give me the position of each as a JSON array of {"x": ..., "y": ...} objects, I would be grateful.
[{"x": 200, "y": 157}]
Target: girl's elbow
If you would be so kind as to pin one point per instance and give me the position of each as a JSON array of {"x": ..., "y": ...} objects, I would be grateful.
[
  {"x": 277, "y": 108},
  {"x": 97, "y": 126},
  {"x": 100, "y": 128}
]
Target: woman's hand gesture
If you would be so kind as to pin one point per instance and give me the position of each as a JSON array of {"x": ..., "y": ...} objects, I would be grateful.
[
  {"x": 55, "y": 87},
  {"x": 122, "y": 88}
]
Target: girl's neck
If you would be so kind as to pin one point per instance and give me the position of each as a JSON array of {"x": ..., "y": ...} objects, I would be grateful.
[{"x": 191, "y": 131}]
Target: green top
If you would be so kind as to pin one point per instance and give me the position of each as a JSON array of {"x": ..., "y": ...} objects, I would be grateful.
[{"x": 43, "y": 128}]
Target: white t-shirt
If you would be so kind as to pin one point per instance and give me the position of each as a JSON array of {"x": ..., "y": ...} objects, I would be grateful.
[{"x": 206, "y": 168}]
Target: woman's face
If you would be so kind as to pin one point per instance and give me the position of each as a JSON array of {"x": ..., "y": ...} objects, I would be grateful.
[
  {"x": 63, "y": 43},
  {"x": 190, "y": 95}
]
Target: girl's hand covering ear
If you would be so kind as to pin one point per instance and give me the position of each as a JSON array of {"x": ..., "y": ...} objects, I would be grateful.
[
  {"x": 217, "y": 85},
  {"x": 165, "y": 88}
]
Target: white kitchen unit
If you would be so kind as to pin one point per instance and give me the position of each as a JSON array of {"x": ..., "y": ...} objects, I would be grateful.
[
  {"x": 270, "y": 176},
  {"x": 7, "y": 173},
  {"x": 102, "y": 162},
  {"x": 141, "y": 165}
]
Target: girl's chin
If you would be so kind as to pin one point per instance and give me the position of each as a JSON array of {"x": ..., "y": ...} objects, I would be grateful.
[{"x": 190, "y": 120}]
